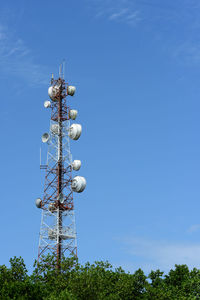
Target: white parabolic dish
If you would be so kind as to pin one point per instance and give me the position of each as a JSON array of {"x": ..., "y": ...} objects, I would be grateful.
[
  {"x": 76, "y": 164},
  {"x": 54, "y": 128},
  {"x": 47, "y": 104},
  {"x": 71, "y": 90},
  {"x": 53, "y": 92},
  {"x": 38, "y": 203},
  {"x": 45, "y": 137},
  {"x": 75, "y": 131},
  {"x": 78, "y": 184},
  {"x": 73, "y": 114}
]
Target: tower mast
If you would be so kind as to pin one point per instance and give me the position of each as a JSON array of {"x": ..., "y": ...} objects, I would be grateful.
[{"x": 58, "y": 230}]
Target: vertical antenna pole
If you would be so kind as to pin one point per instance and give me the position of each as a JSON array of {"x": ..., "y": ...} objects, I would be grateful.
[
  {"x": 63, "y": 68},
  {"x": 60, "y": 70}
]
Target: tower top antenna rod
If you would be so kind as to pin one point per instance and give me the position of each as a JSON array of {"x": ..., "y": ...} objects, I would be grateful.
[{"x": 62, "y": 69}]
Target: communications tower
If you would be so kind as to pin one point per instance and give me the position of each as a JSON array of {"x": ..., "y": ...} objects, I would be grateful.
[{"x": 58, "y": 229}]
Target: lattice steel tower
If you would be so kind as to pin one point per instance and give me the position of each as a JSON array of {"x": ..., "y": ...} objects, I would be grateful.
[{"x": 58, "y": 229}]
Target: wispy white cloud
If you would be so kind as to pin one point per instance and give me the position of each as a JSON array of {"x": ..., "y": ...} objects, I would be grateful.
[
  {"x": 125, "y": 15},
  {"x": 119, "y": 11},
  {"x": 159, "y": 254},
  {"x": 17, "y": 59},
  {"x": 118, "y": 15},
  {"x": 175, "y": 25},
  {"x": 193, "y": 228},
  {"x": 187, "y": 52}
]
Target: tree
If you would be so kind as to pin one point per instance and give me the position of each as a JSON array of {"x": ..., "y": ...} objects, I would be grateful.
[{"x": 97, "y": 281}]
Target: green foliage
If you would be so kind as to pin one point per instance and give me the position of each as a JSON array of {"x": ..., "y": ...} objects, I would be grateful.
[{"x": 97, "y": 281}]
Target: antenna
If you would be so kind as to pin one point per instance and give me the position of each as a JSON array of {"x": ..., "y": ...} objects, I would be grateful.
[
  {"x": 42, "y": 167},
  {"x": 58, "y": 228},
  {"x": 62, "y": 69}
]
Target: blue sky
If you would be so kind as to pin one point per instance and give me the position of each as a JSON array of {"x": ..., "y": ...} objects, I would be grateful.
[{"x": 136, "y": 66}]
